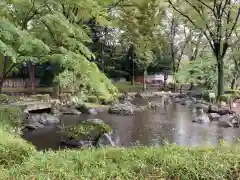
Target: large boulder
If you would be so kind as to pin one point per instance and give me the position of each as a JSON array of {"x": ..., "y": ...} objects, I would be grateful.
[
  {"x": 229, "y": 120},
  {"x": 89, "y": 133}
]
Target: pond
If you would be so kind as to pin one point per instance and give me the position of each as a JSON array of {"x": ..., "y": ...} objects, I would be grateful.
[{"x": 172, "y": 124}]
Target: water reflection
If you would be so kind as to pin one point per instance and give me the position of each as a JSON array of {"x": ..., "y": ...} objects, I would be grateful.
[{"x": 172, "y": 124}]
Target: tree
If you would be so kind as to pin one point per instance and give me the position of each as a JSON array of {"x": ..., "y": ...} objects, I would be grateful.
[
  {"x": 16, "y": 47},
  {"x": 140, "y": 22},
  {"x": 217, "y": 20},
  {"x": 60, "y": 26}
]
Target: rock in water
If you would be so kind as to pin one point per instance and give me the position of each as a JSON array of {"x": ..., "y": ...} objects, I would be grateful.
[
  {"x": 48, "y": 119},
  {"x": 70, "y": 111},
  {"x": 86, "y": 134},
  {"x": 214, "y": 116},
  {"x": 106, "y": 140},
  {"x": 85, "y": 110},
  {"x": 122, "y": 109},
  {"x": 33, "y": 126},
  {"x": 45, "y": 119},
  {"x": 229, "y": 120},
  {"x": 200, "y": 117}
]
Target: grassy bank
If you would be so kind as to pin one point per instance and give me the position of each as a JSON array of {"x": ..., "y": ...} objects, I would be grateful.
[
  {"x": 128, "y": 87},
  {"x": 20, "y": 161}
]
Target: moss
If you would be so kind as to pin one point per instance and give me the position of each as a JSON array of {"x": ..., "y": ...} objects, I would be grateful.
[{"x": 85, "y": 129}]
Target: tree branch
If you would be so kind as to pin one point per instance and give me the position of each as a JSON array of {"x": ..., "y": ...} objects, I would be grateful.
[
  {"x": 207, "y": 6},
  {"x": 235, "y": 23},
  {"x": 50, "y": 31},
  {"x": 194, "y": 24}
]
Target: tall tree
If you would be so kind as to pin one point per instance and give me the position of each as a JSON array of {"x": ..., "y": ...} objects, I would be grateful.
[
  {"x": 61, "y": 26},
  {"x": 140, "y": 22},
  {"x": 217, "y": 19}
]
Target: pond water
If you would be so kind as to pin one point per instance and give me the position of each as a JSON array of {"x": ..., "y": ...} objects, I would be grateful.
[{"x": 171, "y": 124}]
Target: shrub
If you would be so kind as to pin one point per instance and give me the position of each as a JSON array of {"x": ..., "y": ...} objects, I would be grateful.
[
  {"x": 128, "y": 87},
  {"x": 13, "y": 149},
  {"x": 10, "y": 117},
  {"x": 170, "y": 162},
  {"x": 4, "y": 98},
  {"x": 92, "y": 99}
]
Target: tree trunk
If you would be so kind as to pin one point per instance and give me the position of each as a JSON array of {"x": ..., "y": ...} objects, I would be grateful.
[
  {"x": 165, "y": 79},
  {"x": 31, "y": 69},
  {"x": 144, "y": 80},
  {"x": 233, "y": 83},
  {"x": 133, "y": 71},
  {"x": 191, "y": 86},
  {"x": 4, "y": 71},
  {"x": 220, "y": 87},
  {"x": 1, "y": 85}
]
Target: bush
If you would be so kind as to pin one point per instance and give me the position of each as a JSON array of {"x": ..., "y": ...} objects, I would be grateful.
[
  {"x": 4, "y": 98},
  {"x": 128, "y": 87},
  {"x": 170, "y": 162},
  {"x": 10, "y": 117},
  {"x": 85, "y": 129},
  {"x": 13, "y": 149},
  {"x": 92, "y": 99}
]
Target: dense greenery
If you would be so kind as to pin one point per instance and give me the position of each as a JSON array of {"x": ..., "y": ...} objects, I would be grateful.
[{"x": 35, "y": 32}]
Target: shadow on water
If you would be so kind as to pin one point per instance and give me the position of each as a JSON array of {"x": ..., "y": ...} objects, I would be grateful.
[{"x": 171, "y": 124}]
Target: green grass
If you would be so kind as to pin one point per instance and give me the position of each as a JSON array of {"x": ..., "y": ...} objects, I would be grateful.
[
  {"x": 133, "y": 163},
  {"x": 128, "y": 87},
  {"x": 20, "y": 161}
]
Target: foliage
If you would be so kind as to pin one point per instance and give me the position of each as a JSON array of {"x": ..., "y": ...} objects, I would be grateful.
[
  {"x": 85, "y": 77},
  {"x": 57, "y": 31},
  {"x": 4, "y": 98},
  {"x": 224, "y": 17},
  {"x": 10, "y": 117},
  {"x": 201, "y": 71},
  {"x": 13, "y": 149},
  {"x": 128, "y": 87},
  {"x": 133, "y": 163},
  {"x": 140, "y": 22},
  {"x": 92, "y": 99}
]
